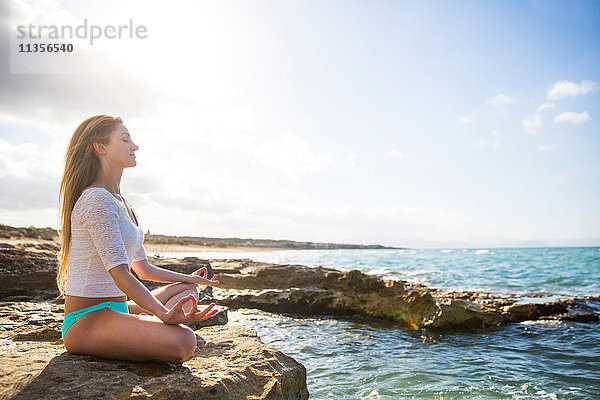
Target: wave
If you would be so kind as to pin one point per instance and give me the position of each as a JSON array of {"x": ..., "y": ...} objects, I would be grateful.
[{"x": 419, "y": 272}]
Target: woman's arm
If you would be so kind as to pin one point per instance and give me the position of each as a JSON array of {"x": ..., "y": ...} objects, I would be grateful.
[
  {"x": 149, "y": 272},
  {"x": 137, "y": 292},
  {"x": 99, "y": 216}
]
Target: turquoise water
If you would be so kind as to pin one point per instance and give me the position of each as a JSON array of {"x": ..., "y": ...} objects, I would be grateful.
[{"x": 359, "y": 360}]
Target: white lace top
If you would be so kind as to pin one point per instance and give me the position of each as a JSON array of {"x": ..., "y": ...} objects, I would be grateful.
[{"x": 102, "y": 237}]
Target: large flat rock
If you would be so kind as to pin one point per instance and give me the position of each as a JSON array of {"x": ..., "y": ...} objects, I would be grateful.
[{"x": 230, "y": 362}]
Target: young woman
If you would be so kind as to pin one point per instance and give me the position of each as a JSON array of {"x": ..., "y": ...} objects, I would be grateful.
[{"x": 101, "y": 241}]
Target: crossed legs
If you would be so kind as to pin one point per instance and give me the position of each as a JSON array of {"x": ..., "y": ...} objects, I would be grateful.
[{"x": 110, "y": 334}]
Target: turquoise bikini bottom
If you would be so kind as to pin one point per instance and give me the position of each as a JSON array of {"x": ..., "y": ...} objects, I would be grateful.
[{"x": 72, "y": 317}]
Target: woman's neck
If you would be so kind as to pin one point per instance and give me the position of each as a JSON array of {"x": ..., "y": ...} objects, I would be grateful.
[{"x": 109, "y": 179}]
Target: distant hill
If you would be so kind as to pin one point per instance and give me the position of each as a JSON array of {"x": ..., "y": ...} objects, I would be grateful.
[
  {"x": 7, "y": 232},
  {"x": 267, "y": 243}
]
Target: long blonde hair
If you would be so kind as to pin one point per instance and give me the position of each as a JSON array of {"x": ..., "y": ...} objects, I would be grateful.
[{"x": 81, "y": 169}]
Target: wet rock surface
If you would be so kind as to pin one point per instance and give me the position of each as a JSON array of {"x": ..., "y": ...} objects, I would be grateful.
[
  {"x": 533, "y": 311},
  {"x": 576, "y": 317}
]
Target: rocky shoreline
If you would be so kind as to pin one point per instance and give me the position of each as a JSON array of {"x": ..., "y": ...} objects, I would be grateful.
[
  {"x": 230, "y": 362},
  {"x": 244, "y": 367},
  {"x": 297, "y": 289}
]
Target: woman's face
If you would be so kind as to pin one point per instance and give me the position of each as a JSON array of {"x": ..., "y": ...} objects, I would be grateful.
[{"x": 120, "y": 151}]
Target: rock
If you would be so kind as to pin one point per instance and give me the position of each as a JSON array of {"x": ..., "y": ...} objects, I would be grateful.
[
  {"x": 576, "y": 317},
  {"x": 39, "y": 335},
  {"x": 248, "y": 274},
  {"x": 186, "y": 265},
  {"x": 28, "y": 274},
  {"x": 464, "y": 315},
  {"x": 230, "y": 362},
  {"x": 595, "y": 299},
  {"x": 297, "y": 289},
  {"x": 220, "y": 318},
  {"x": 533, "y": 311}
]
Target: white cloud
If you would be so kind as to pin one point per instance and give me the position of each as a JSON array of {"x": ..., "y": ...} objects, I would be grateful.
[
  {"x": 394, "y": 153},
  {"x": 481, "y": 143},
  {"x": 571, "y": 89},
  {"x": 29, "y": 176},
  {"x": 499, "y": 100},
  {"x": 546, "y": 147},
  {"x": 546, "y": 106},
  {"x": 532, "y": 123},
  {"x": 291, "y": 156},
  {"x": 464, "y": 120},
  {"x": 351, "y": 160},
  {"x": 576, "y": 118}
]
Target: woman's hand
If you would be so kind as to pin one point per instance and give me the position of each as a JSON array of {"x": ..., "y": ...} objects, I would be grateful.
[
  {"x": 176, "y": 315},
  {"x": 201, "y": 277}
]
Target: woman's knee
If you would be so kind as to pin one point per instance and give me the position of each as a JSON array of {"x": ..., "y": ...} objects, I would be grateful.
[
  {"x": 185, "y": 344},
  {"x": 185, "y": 289},
  {"x": 192, "y": 288}
]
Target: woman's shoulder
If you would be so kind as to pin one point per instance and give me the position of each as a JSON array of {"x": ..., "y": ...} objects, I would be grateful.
[
  {"x": 94, "y": 197},
  {"x": 96, "y": 193}
]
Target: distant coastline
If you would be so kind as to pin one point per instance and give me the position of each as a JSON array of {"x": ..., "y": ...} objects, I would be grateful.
[
  {"x": 10, "y": 232},
  {"x": 253, "y": 243}
]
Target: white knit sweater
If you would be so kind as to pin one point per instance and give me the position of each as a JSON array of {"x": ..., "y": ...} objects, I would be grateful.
[{"x": 102, "y": 237}]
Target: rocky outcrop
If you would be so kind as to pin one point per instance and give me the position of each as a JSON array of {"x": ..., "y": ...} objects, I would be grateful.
[
  {"x": 457, "y": 314},
  {"x": 230, "y": 362},
  {"x": 533, "y": 311},
  {"x": 297, "y": 289},
  {"x": 575, "y": 317},
  {"x": 27, "y": 274}
]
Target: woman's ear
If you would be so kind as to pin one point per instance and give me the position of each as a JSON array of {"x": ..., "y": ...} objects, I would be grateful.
[{"x": 99, "y": 148}]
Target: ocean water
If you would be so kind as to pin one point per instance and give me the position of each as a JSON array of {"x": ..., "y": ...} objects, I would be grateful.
[{"x": 348, "y": 359}]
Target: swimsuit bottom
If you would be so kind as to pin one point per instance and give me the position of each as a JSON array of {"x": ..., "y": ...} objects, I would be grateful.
[{"x": 72, "y": 317}]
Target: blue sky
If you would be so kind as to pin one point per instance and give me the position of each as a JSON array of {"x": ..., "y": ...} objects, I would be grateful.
[{"x": 426, "y": 124}]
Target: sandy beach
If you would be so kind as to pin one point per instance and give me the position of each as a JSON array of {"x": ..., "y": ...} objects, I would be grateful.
[
  {"x": 32, "y": 243},
  {"x": 181, "y": 248}
]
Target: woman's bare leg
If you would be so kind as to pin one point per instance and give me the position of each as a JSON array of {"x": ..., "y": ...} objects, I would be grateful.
[
  {"x": 111, "y": 334},
  {"x": 168, "y": 295},
  {"x": 108, "y": 333}
]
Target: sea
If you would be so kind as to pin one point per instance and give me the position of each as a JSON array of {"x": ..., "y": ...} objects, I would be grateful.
[{"x": 356, "y": 359}]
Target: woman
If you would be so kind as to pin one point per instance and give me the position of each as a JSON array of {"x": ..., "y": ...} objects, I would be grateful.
[{"x": 100, "y": 242}]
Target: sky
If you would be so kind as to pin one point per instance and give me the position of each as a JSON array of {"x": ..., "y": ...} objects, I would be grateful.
[{"x": 411, "y": 124}]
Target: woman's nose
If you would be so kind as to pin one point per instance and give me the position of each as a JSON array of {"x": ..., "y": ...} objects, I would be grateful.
[{"x": 134, "y": 146}]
